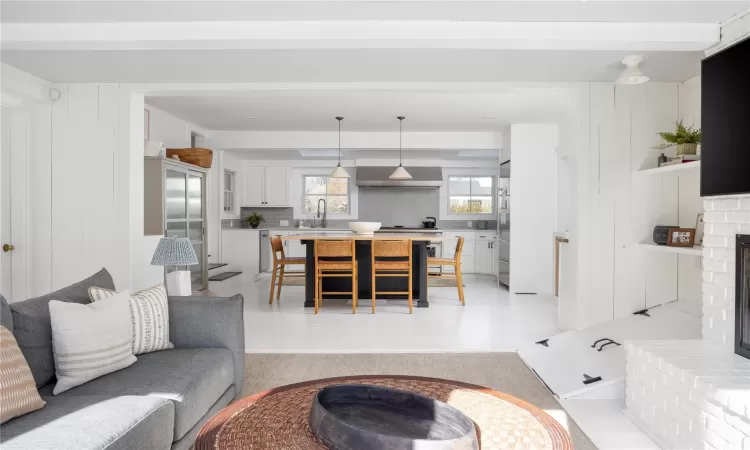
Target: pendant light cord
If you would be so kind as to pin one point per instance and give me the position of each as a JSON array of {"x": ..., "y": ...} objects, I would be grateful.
[
  {"x": 339, "y": 119},
  {"x": 400, "y": 135}
]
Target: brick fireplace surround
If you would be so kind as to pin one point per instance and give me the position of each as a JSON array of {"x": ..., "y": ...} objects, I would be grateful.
[{"x": 696, "y": 394}]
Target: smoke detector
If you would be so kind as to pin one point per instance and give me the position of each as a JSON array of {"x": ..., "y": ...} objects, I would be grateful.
[{"x": 632, "y": 73}]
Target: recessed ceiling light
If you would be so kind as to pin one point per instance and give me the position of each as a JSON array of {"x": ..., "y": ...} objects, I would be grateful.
[{"x": 490, "y": 117}]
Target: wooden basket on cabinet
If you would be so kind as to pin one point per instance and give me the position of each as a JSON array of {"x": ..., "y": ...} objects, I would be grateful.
[{"x": 201, "y": 157}]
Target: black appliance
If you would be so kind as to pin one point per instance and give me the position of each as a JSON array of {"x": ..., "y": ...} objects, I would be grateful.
[
  {"x": 431, "y": 222},
  {"x": 725, "y": 117}
]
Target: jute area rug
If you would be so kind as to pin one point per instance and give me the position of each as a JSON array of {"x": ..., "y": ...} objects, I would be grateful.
[{"x": 503, "y": 372}]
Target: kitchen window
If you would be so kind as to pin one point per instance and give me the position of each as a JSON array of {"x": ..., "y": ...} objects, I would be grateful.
[
  {"x": 470, "y": 195},
  {"x": 230, "y": 191},
  {"x": 335, "y": 191}
]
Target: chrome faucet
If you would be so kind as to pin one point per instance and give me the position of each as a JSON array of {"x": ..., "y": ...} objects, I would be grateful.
[{"x": 324, "y": 222}]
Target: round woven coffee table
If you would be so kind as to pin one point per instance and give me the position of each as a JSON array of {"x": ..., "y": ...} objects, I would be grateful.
[{"x": 277, "y": 418}]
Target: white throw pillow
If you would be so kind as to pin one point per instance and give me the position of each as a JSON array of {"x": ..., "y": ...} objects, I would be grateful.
[
  {"x": 149, "y": 311},
  {"x": 89, "y": 341}
]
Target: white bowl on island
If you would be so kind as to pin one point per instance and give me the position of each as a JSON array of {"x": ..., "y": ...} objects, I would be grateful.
[{"x": 366, "y": 228}]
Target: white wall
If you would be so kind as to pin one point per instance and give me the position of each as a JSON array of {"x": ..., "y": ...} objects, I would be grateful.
[
  {"x": 172, "y": 131},
  {"x": 533, "y": 208},
  {"x": 624, "y": 207}
]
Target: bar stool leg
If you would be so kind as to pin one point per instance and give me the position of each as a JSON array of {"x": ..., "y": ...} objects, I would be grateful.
[
  {"x": 316, "y": 295},
  {"x": 410, "y": 293},
  {"x": 373, "y": 290},
  {"x": 273, "y": 284},
  {"x": 460, "y": 284},
  {"x": 281, "y": 282}
]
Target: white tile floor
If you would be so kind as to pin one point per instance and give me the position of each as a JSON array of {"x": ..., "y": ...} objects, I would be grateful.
[{"x": 492, "y": 320}]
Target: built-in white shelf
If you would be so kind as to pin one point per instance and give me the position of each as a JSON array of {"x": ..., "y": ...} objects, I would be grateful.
[
  {"x": 673, "y": 168},
  {"x": 692, "y": 251}
]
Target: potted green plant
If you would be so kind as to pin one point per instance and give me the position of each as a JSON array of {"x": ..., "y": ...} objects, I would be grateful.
[
  {"x": 686, "y": 139},
  {"x": 255, "y": 219}
]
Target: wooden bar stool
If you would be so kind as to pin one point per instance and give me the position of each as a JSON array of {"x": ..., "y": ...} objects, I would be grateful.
[
  {"x": 388, "y": 261},
  {"x": 335, "y": 259},
  {"x": 455, "y": 263},
  {"x": 280, "y": 261}
]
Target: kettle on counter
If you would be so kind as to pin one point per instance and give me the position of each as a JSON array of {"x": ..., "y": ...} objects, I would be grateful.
[{"x": 431, "y": 222}]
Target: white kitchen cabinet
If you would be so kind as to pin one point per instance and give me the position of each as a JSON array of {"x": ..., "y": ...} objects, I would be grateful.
[
  {"x": 240, "y": 249},
  {"x": 295, "y": 249},
  {"x": 265, "y": 186},
  {"x": 449, "y": 250},
  {"x": 485, "y": 253},
  {"x": 252, "y": 186}
]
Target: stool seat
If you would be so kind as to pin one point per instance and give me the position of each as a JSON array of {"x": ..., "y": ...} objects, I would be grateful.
[
  {"x": 391, "y": 265},
  {"x": 385, "y": 264},
  {"x": 441, "y": 261},
  {"x": 335, "y": 265},
  {"x": 288, "y": 260}
]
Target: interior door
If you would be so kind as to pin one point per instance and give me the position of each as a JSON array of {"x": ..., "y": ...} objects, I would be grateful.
[
  {"x": 13, "y": 150},
  {"x": 6, "y": 281}
]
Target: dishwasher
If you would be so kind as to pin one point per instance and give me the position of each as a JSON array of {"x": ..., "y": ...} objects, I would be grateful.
[{"x": 265, "y": 252}]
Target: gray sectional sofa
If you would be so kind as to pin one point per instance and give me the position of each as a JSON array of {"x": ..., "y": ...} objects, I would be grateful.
[{"x": 159, "y": 402}]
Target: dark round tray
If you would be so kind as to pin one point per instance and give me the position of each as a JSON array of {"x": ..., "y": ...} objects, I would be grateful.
[{"x": 360, "y": 416}]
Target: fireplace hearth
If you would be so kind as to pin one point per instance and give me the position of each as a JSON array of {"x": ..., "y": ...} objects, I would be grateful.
[{"x": 742, "y": 297}]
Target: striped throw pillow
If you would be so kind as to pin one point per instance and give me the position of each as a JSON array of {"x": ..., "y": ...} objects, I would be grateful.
[
  {"x": 18, "y": 394},
  {"x": 91, "y": 340},
  {"x": 149, "y": 317}
]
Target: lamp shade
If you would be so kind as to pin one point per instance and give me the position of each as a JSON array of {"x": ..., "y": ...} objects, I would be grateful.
[
  {"x": 174, "y": 251},
  {"x": 339, "y": 172},
  {"x": 400, "y": 174}
]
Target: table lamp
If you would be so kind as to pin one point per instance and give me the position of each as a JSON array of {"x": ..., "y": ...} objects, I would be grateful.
[{"x": 174, "y": 251}]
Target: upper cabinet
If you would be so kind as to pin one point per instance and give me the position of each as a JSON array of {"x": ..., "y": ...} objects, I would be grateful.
[{"x": 266, "y": 186}]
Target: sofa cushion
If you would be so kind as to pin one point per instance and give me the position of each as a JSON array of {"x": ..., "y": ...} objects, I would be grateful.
[
  {"x": 191, "y": 378},
  {"x": 93, "y": 422},
  {"x": 32, "y": 329},
  {"x": 5, "y": 318}
]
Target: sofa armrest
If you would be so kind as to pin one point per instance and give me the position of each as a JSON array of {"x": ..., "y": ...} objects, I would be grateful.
[{"x": 205, "y": 322}]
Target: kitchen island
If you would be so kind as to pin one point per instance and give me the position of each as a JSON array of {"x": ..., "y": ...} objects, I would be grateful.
[{"x": 363, "y": 254}]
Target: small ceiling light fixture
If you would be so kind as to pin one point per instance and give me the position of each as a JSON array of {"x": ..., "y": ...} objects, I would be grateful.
[
  {"x": 339, "y": 172},
  {"x": 490, "y": 117},
  {"x": 632, "y": 73},
  {"x": 400, "y": 173}
]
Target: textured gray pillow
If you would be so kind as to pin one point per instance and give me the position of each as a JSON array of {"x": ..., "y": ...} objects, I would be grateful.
[{"x": 31, "y": 324}]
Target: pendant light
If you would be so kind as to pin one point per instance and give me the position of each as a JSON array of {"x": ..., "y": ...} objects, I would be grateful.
[
  {"x": 339, "y": 172},
  {"x": 400, "y": 173}
]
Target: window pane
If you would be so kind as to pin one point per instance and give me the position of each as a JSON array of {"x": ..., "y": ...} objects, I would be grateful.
[
  {"x": 460, "y": 205},
  {"x": 315, "y": 185},
  {"x": 338, "y": 186},
  {"x": 311, "y": 203},
  {"x": 481, "y": 205},
  {"x": 338, "y": 204},
  {"x": 459, "y": 186},
  {"x": 481, "y": 186}
]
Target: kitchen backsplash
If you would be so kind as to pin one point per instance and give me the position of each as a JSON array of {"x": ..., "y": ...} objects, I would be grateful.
[{"x": 410, "y": 208}]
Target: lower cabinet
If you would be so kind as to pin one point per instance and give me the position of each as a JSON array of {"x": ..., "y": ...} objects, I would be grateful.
[
  {"x": 240, "y": 249},
  {"x": 467, "y": 256}
]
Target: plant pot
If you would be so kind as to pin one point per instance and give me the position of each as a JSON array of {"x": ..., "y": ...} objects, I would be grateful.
[
  {"x": 254, "y": 225},
  {"x": 687, "y": 149}
]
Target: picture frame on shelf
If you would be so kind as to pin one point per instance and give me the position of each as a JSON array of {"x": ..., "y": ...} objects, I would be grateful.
[
  {"x": 681, "y": 237},
  {"x": 699, "y": 230}
]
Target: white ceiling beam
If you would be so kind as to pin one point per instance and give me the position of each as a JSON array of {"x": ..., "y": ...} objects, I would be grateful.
[
  {"x": 269, "y": 140},
  {"x": 361, "y": 34}
]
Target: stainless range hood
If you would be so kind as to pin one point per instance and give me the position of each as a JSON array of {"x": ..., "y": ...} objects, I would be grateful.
[{"x": 422, "y": 177}]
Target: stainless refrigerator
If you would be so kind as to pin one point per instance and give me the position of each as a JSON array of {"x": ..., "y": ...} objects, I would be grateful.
[{"x": 503, "y": 224}]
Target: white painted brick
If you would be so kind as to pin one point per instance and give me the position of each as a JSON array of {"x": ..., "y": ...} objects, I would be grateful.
[
  {"x": 739, "y": 216},
  {"x": 727, "y": 204},
  {"x": 716, "y": 290},
  {"x": 715, "y": 241},
  {"x": 726, "y": 431},
  {"x": 715, "y": 265},
  {"x": 715, "y": 217},
  {"x": 738, "y": 423},
  {"x": 744, "y": 204},
  {"x": 729, "y": 229},
  {"x": 723, "y": 254}
]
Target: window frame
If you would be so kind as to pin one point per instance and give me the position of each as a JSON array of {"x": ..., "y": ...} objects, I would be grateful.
[
  {"x": 449, "y": 215},
  {"x": 335, "y": 215},
  {"x": 233, "y": 192}
]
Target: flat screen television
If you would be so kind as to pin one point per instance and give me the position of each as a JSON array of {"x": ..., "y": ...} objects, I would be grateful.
[{"x": 725, "y": 121}]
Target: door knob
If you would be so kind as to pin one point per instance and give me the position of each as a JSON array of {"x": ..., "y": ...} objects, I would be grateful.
[{"x": 8, "y": 248}]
